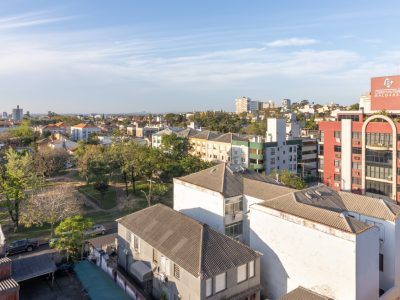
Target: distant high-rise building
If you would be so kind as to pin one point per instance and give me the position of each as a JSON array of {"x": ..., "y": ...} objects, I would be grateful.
[
  {"x": 242, "y": 104},
  {"x": 245, "y": 104},
  {"x": 286, "y": 103},
  {"x": 5, "y": 115},
  {"x": 17, "y": 114},
  {"x": 268, "y": 104}
]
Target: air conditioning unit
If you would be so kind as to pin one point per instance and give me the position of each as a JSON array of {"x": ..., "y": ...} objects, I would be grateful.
[{"x": 337, "y": 184}]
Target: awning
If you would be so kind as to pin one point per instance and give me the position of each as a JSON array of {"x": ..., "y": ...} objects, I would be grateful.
[
  {"x": 97, "y": 283},
  {"x": 32, "y": 267},
  {"x": 141, "y": 271}
]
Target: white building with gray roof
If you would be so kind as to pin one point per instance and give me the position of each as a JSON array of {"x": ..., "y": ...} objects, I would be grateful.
[
  {"x": 176, "y": 257},
  {"x": 336, "y": 244}
]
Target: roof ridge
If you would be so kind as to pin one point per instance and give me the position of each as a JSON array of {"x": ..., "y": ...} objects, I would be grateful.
[
  {"x": 201, "y": 259},
  {"x": 387, "y": 207},
  {"x": 223, "y": 178}
]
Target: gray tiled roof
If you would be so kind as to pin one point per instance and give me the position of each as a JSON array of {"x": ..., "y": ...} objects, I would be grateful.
[
  {"x": 207, "y": 135},
  {"x": 288, "y": 204},
  {"x": 323, "y": 205},
  {"x": 194, "y": 246},
  {"x": 325, "y": 197},
  {"x": 229, "y": 137},
  {"x": 223, "y": 179},
  {"x": 303, "y": 294},
  {"x": 187, "y": 132}
]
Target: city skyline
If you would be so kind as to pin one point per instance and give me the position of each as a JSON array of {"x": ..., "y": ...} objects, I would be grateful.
[{"x": 160, "y": 57}]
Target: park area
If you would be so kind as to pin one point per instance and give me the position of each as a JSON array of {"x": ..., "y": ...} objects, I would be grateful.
[{"x": 100, "y": 208}]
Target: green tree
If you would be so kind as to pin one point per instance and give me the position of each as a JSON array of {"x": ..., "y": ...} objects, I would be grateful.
[
  {"x": 355, "y": 106},
  {"x": 288, "y": 179},
  {"x": 16, "y": 179},
  {"x": 93, "y": 139},
  {"x": 71, "y": 235},
  {"x": 175, "y": 146}
]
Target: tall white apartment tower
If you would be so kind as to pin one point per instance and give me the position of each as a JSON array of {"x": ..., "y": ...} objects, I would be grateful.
[{"x": 242, "y": 104}]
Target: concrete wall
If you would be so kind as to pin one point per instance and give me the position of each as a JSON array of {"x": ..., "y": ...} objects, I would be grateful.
[
  {"x": 298, "y": 252},
  {"x": 346, "y": 155},
  {"x": 389, "y": 234},
  {"x": 201, "y": 204},
  {"x": 367, "y": 265}
]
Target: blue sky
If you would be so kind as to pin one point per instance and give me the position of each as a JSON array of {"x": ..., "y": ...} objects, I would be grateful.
[{"x": 158, "y": 56}]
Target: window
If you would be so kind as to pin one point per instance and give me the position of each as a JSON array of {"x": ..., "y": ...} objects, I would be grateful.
[
  {"x": 337, "y": 148},
  {"x": 251, "y": 269},
  {"x": 129, "y": 237},
  {"x": 356, "y": 135},
  {"x": 231, "y": 208},
  {"x": 337, "y": 163},
  {"x": 241, "y": 273},
  {"x": 356, "y": 150},
  {"x": 337, "y": 134},
  {"x": 381, "y": 262},
  {"x": 176, "y": 271},
  {"x": 379, "y": 172},
  {"x": 377, "y": 187},
  {"x": 356, "y": 166},
  {"x": 220, "y": 282},
  {"x": 155, "y": 256},
  {"x": 208, "y": 287},
  {"x": 136, "y": 243},
  {"x": 380, "y": 156},
  {"x": 379, "y": 139},
  {"x": 337, "y": 177},
  {"x": 234, "y": 229},
  {"x": 355, "y": 180}
]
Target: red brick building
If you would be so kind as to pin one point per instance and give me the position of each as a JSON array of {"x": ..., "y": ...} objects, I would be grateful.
[{"x": 360, "y": 151}]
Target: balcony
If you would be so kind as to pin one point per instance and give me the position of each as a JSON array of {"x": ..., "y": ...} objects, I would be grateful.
[
  {"x": 379, "y": 146},
  {"x": 256, "y": 156}
]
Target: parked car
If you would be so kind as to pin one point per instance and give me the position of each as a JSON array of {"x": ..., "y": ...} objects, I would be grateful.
[
  {"x": 25, "y": 245},
  {"x": 96, "y": 230}
]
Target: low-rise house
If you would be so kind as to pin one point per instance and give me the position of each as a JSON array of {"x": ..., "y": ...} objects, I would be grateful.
[
  {"x": 82, "y": 131},
  {"x": 216, "y": 196},
  {"x": 180, "y": 132},
  {"x": 215, "y": 146},
  {"x": 59, "y": 127},
  {"x": 177, "y": 257}
]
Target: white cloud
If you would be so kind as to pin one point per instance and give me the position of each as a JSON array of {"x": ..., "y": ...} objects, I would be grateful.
[{"x": 292, "y": 42}]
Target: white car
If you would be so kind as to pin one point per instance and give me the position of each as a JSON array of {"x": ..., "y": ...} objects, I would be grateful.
[{"x": 96, "y": 230}]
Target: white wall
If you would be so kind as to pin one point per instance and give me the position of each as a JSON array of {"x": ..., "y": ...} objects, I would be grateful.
[
  {"x": 346, "y": 155},
  {"x": 367, "y": 265},
  {"x": 390, "y": 241},
  {"x": 298, "y": 252},
  {"x": 201, "y": 204}
]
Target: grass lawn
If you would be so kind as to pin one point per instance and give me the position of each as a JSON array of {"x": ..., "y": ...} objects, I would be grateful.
[
  {"x": 108, "y": 201},
  {"x": 33, "y": 232}
]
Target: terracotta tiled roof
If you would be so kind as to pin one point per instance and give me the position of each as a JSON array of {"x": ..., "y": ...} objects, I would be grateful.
[
  {"x": 84, "y": 125},
  {"x": 194, "y": 246}
]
